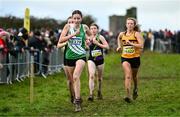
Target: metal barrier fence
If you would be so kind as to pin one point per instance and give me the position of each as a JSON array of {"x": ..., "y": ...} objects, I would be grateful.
[
  {"x": 17, "y": 67},
  {"x": 3, "y": 69},
  {"x": 163, "y": 46}
]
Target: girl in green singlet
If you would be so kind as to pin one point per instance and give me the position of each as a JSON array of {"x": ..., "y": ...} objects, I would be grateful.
[{"x": 75, "y": 53}]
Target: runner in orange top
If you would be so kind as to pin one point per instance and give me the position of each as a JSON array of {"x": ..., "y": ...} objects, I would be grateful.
[{"x": 131, "y": 44}]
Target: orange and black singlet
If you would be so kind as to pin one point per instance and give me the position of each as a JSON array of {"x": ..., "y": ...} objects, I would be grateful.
[{"x": 129, "y": 51}]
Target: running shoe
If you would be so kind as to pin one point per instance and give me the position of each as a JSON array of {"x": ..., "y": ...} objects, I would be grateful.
[
  {"x": 135, "y": 94},
  {"x": 90, "y": 98},
  {"x": 77, "y": 105},
  {"x": 127, "y": 99},
  {"x": 99, "y": 96}
]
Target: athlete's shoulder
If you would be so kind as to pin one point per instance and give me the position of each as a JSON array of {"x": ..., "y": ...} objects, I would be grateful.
[
  {"x": 101, "y": 36},
  {"x": 85, "y": 26},
  {"x": 67, "y": 26},
  {"x": 136, "y": 33},
  {"x": 121, "y": 34}
]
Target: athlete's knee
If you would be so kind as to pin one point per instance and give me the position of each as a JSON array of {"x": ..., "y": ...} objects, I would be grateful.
[
  {"x": 91, "y": 77},
  {"x": 100, "y": 79},
  {"x": 69, "y": 78},
  {"x": 134, "y": 77},
  {"x": 128, "y": 77},
  {"x": 75, "y": 78},
  {"x": 70, "y": 82}
]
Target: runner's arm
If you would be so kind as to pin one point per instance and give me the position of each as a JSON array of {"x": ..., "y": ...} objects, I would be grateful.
[
  {"x": 64, "y": 37},
  {"x": 119, "y": 41},
  {"x": 104, "y": 44},
  {"x": 88, "y": 32},
  {"x": 140, "y": 40},
  {"x": 61, "y": 44}
]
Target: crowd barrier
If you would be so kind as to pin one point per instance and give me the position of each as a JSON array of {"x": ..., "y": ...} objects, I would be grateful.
[
  {"x": 18, "y": 66},
  {"x": 163, "y": 46}
]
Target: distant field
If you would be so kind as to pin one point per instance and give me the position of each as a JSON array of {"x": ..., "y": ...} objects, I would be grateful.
[{"x": 159, "y": 92}]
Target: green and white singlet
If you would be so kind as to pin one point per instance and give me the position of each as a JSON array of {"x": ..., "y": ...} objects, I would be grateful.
[{"x": 76, "y": 46}]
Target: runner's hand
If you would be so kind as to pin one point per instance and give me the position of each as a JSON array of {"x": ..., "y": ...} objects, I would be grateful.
[
  {"x": 77, "y": 32},
  {"x": 118, "y": 49},
  {"x": 88, "y": 42},
  {"x": 95, "y": 41},
  {"x": 129, "y": 43}
]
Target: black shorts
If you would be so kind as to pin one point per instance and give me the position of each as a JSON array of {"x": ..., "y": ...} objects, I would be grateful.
[
  {"x": 97, "y": 62},
  {"x": 134, "y": 62},
  {"x": 65, "y": 61},
  {"x": 72, "y": 62}
]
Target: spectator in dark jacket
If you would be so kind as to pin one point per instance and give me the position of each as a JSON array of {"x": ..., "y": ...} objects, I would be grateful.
[{"x": 37, "y": 44}]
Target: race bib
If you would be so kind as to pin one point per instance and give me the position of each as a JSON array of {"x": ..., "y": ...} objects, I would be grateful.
[
  {"x": 96, "y": 53},
  {"x": 76, "y": 41},
  {"x": 128, "y": 50}
]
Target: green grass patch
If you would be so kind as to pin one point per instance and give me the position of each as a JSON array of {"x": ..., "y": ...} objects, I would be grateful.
[{"x": 159, "y": 92}]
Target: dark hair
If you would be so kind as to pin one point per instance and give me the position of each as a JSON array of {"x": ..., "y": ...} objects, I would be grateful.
[
  {"x": 136, "y": 26},
  {"x": 94, "y": 24},
  {"x": 37, "y": 33},
  {"x": 77, "y": 12},
  {"x": 69, "y": 17},
  {"x": 24, "y": 33}
]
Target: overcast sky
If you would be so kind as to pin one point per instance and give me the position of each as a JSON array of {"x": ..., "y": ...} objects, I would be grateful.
[{"x": 154, "y": 14}]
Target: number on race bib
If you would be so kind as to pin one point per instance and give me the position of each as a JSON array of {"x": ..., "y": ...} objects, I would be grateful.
[
  {"x": 128, "y": 50},
  {"x": 96, "y": 53},
  {"x": 76, "y": 41}
]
